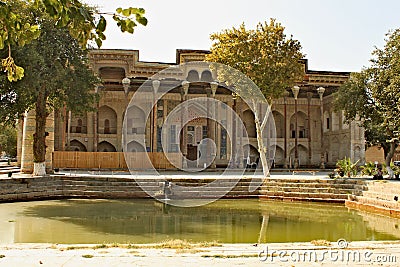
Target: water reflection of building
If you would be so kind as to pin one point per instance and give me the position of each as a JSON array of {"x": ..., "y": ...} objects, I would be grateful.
[
  {"x": 319, "y": 137},
  {"x": 382, "y": 224}
]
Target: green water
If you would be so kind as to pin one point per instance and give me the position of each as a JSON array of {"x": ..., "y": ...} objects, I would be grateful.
[{"x": 148, "y": 221}]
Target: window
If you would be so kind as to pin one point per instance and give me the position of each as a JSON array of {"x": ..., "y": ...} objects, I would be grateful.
[
  {"x": 222, "y": 150},
  {"x": 190, "y": 139},
  {"x": 205, "y": 130},
  {"x": 159, "y": 145},
  {"x": 160, "y": 114},
  {"x": 79, "y": 127},
  {"x": 327, "y": 123},
  {"x": 172, "y": 139},
  {"x": 107, "y": 126}
]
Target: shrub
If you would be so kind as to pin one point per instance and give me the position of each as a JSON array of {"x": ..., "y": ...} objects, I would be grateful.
[
  {"x": 368, "y": 169},
  {"x": 347, "y": 167}
]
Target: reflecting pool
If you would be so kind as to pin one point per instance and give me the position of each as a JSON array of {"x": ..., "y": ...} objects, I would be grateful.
[{"x": 147, "y": 221}]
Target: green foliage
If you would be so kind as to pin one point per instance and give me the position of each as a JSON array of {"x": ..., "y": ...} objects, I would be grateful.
[
  {"x": 15, "y": 30},
  {"x": 396, "y": 169},
  {"x": 57, "y": 74},
  {"x": 84, "y": 23},
  {"x": 269, "y": 61},
  {"x": 265, "y": 54},
  {"x": 14, "y": 72},
  {"x": 369, "y": 169},
  {"x": 373, "y": 96},
  {"x": 8, "y": 140},
  {"x": 349, "y": 168},
  {"x": 126, "y": 18}
]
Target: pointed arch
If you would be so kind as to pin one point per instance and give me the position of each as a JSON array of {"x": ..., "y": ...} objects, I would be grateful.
[
  {"x": 302, "y": 152},
  {"x": 302, "y": 125},
  {"x": 79, "y": 123},
  {"x": 335, "y": 121},
  {"x": 76, "y": 145},
  {"x": 279, "y": 124},
  {"x": 134, "y": 146},
  {"x": 135, "y": 120},
  {"x": 105, "y": 146},
  {"x": 327, "y": 121},
  {"x": 249, "y": 124},
  {"x": 279, "y": 158},
  {"x": 107, "y": 120}
]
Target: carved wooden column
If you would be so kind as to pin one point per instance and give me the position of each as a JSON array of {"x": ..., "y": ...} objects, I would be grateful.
[
  {"x": 155, "y": 86},
  {"x": 309, "y": 97}
]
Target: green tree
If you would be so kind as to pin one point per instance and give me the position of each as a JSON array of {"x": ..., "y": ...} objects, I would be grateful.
[
  {"x": 268, "y": 57},
  {"x": 8, "y": 140},
  {"x": 57, "y": 74},
  {"x": 373, "y": 94},
  {"x": 84, "y": 23}
]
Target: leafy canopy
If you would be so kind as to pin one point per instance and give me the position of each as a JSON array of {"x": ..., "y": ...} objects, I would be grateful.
[
  {"x": 83, "y": 22},
  {"x": 56, "y": 67},
  {"x": 373, "y": 94},
  {"x": 265, "y": 54},
  {"x": 8, "y": 140}
]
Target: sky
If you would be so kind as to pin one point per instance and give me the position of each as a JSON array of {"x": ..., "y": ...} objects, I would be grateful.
[{"x": 336, "y": 35}]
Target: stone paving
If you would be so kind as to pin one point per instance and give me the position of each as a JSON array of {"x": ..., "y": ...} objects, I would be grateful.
[{"x": 273, "y": 254}]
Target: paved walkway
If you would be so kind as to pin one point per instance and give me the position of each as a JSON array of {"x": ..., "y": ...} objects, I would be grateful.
[
  {"x": 179, "y": 174},
  {"x": 283, "y": 254}
]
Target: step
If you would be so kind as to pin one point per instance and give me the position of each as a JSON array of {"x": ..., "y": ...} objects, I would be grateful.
[
  {"x": 330, "y": 200},
  {"x": 304, "y": 195},
  {"x": 391, "y": 204}
]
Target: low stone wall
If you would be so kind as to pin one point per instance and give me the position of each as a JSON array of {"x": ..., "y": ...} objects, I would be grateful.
[
  {"x": 316, "y": 190},
  {"x": 380, "y": 197},
  {"x": 60, "y": 186}
]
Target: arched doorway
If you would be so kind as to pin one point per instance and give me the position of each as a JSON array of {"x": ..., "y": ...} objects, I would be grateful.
[
  {"x": 251, "y": 154},
  {"x": 106, "y": 147},
  {"x": 279, "y": 159},
  {"x": 279, "y": 124},
  {"x": 303, "y": 155},
  {"x": 248, "y": 121},
  {"x": 135, "y": 120},
  {"x": 134, "y": 146},
  {"x": 302, "y": 125},
  {"x": 75, "y": 145},
  {"x": 107, "y": 120}
]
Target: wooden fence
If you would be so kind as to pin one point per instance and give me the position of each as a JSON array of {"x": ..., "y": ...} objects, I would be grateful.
[{"x": 112, "y": 160}]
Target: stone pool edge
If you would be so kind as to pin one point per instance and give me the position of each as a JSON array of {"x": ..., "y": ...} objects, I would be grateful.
[{"x": 29, "y": 254}]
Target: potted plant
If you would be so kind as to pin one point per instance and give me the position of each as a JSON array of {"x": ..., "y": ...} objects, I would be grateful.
[
  {"x": 369, "y": 169},
  {"x": 345, "y": 166},
  {"x": 396, "y": 171}
]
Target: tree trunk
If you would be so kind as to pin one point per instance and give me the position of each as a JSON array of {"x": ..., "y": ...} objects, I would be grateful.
[
  {"x": 388, "y": 159},
  {"x": 261, "y": 148},
  {"x": 39, "y": 137},
  {"x": 263, "y": 231}
]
